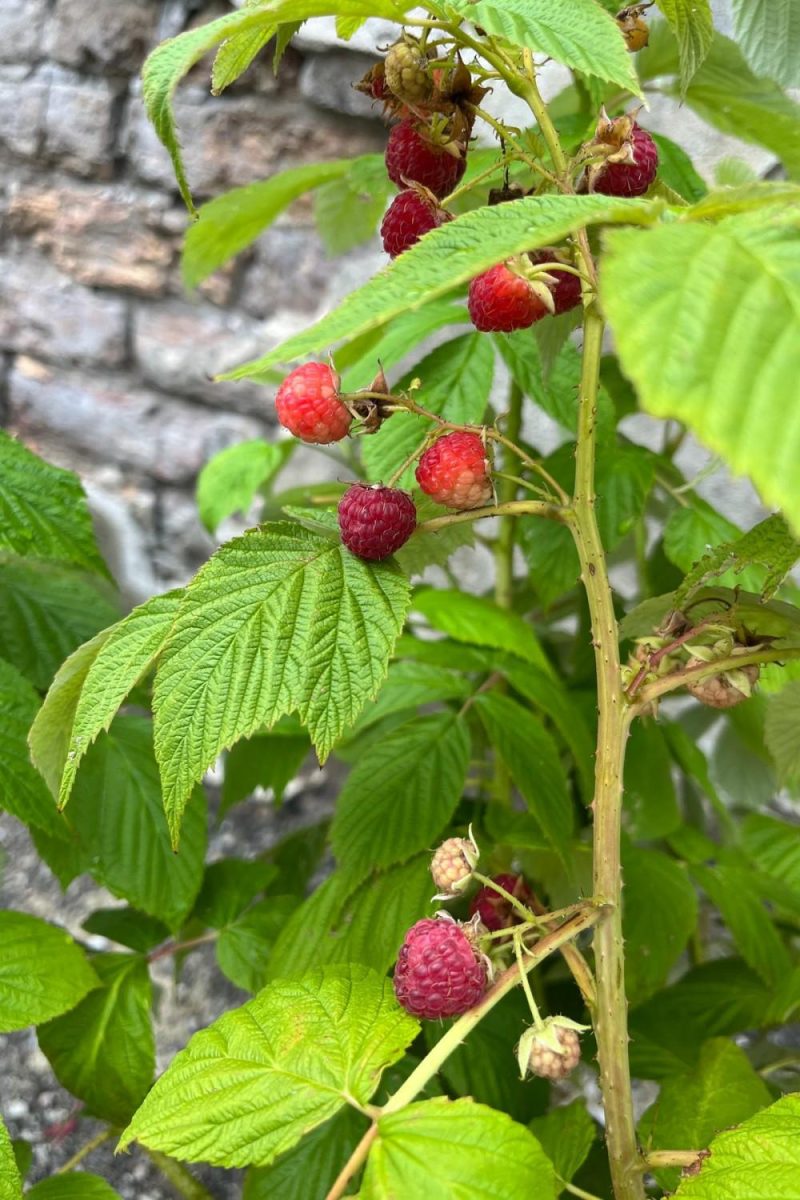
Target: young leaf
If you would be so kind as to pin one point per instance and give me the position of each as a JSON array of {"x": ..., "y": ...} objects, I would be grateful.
[
  {"x": 22, "y": 790},
  {"x": 768, "y": 31},
  {"x": 103, "y": 1051},
  {"x": 470, "y": 244},
  {"x": 693, "y": 25},
  {"x": 737, "y": 897},
  {"x": 440, "y": 1149},
  {"x": 308, "y": 1171},
  {"x": 236, "y": 53},
  {"x": 10, "y": 1182},
  {"x": 74, "y": 1185},
  {"x": 395, "y": 342},
  {"x": 733, "y": 290},
  {"x": 43, "y": 510},
  {"x": 230, "y": 481},
  {"x": 475, "y": 619},
  {"x": 42, "y": 971},
  {"x": 248, "y": 1087},
  {"x": 659, "y": 917},
  {"x": 763, "y": 1151},
  {"x": 577, "y": 33},
  {"x": 401, "y": 794},
  {"x": 768, "y": 544},
  {"x": 267, "y": 627}
]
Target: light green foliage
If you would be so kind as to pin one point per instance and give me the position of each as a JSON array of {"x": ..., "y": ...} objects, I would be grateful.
[
  {"x": 676, "y": 170},
  {"x": 243, "y": 947},
  {"x": 308, "y": 1171},
  {"x": 736, "y": 895},
  {"x": 757, "y": 1161},
  {"x": 473, "y": 619},
  {"x": 660, "y": 914},
  {"x": 43, "y": 511},
  {"x": 732, "y": 289},
  {"x": 401, "y": 794},
  {"x": 75, "y": 1185},
  {"x": 266, "y": 628},
  {"x": 42, "y": 971},
  {"x": 768, "y": 32},
  {"x": 10, "y": 1182},
  {"x": 248, "y": 1087},
  {"x": 103, "y": 1051},
  {"x": 769, "y": 545},
  {"x": 693, "y": 26},
  {"x": 444, "y": 1150},
  {"x": 230, "y": 481},
  {"x": 348, "y": 209},
  {"x": 236, "y": 53},
  {"x": 22, "y": 790},
  {"x": 773, "y": 847},
  {"x": 567, "y": 1135}
]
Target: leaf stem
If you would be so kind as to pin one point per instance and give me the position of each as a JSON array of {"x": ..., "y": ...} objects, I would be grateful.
[
  {"x": 104, "y": 1135},
  {"x": 353, "y": 1164},
  {"x": 181, "y": 1179},
  {"x": 526, "y": 987}
]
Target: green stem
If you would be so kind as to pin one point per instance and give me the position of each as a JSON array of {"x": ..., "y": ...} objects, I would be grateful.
[
  {"x": 506, "y": 491},
  {"x": 527, "y": 89},
  {"x": 611, "y": 1027},
  {"x": 104, "y": 1135},
  {"x": 526, "y": 987},
  {"x": 182, "y": 1180},
  {"x": 518, "y": 508}
]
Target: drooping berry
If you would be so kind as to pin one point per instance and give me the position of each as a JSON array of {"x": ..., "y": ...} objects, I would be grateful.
[
  {"x": 406, "y": 70},
  {"x": 567, "y": 287},
  {"x": 308, "y": 405},
  {"x": 412, "y": 158},
  {"x": 410, "y": 214},
  {"x": 551, "y": 1052},
  {"x": 630, "y": 179},
  {"x": 454, "y": 471},
  {"x": 439, "y": 971},
  {"x": 500, "y": 301},
  {"x": 452, "y": 866},
  {"x": 725, "y": 690},
  {"x": 375, "y": 521},
  {"x": 493, "y": 909}
]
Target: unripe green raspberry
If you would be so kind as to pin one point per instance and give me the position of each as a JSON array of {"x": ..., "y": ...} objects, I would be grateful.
[{"x": 406, "y": 69}]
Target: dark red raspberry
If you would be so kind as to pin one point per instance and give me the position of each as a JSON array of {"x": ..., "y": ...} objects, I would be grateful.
[
  {"x": 493, "y": 909},
  {"x": 439, "y": 973},
  {"x": 630, "y": 179},
  {"x": 375, "y": 521},
  {"x": 454, "y": 471},
  {"x": 500, "y": 301},
  {"x": 567, "y": 287},
  {"x": 411, "y": 158},
  {"x": 308, "y": 405},
  {"x": 409, "y": 216}
]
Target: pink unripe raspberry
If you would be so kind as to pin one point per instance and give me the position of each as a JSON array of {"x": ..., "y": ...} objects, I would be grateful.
[
  {"x": 411, "y": 158},
  {"x": 375, "y": 521},
  {"x": 439, "y": 971},
  {"x": 501, "y": 301},
  {"x": 452, "y": 866},
  {"x": 454, "y": 471},
  {"x": 630, "y": 179},
  {"x": 408, "y": 217},
  {"x": 552, "y": 1051},
  {"x": 308, "y": 405}
]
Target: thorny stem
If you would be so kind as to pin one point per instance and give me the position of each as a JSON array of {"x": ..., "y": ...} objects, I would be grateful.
[{"x": 104, "y": 1135}]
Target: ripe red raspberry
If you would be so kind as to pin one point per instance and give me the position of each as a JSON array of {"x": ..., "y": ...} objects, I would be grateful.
[
  {"x": 409, "y": 216},
  {"x": 455, "y": 471},
  {"x": 375, "y": 521},
  {"x": 439, "y": 973},
  {"x": 630, "y": 179},
  {"x": 411, "y": 158},
  {"x": 567, "y": 287},
  {"x": 500, "y": 301},
  {"x": 493, "y": 909},
  {"x": 308, "y": 405}
]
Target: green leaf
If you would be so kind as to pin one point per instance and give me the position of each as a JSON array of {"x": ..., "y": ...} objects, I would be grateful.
[
  {"x": 758, "y": 1161},
  {"x": 477, "y": 620},
  {"x": 42, "y": 971},
  {"x": 768, "y": 32},
  {"x": 243, "y": 947},
  {"x": 693, "y": 530},
  {"x": 347, "y": 209},
  {"x": 555, "y": 390},
  {"x": 577, "y": 33},
  {"x": 309, "y": 1170},
  {"x": 660, "y": 914},
  {"x": 676, "y": 169},
  {"x": 470, "y": 244},
  {"x": 731, "y": 291},
  {"x": 43, "y": 510},
  {"x": 693, "y": 25},
  {"x": 442, "y": 1149},
  {"x": 737, "y": 897},
  {"x": 103, "y": 1051},
  {"x": 118, "y": 813},
  {"x": 401, "y": 794},
  {"x": 45, "y": 613},
  {"x": 769, "y": 545},
  {"x": 722, "y": 1090},
  {"x": 22, "y": 790},
  {"x": 230, "y": 481},
  {"x": 229, "y": 886},
  {"x": 269, "y": 760},
  {"x": 357, "y": 360},
  {"x": 773, "y": 847},
  {"x": 127, "y": 927},
  {"x": 248, "y": 1087},
  {"x": 10, "y": 1182},
  {"x": 410, "y": 684},
  {"x": 279, "y": 620},
  {"x": 229, "y": 223},
  {"x": 75, "y": 1185},
  {"x": 532, "y": 758},
  {"x": 366, "y": 926},
  {"x": 237, "y": 53},
  {"x": 782, "y": 730},
  {"x": 651, "y": 807},
  {"x": 567, "y": 1135}
]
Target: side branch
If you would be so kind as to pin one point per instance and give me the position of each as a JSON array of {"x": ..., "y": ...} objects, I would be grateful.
[
  {"x": 512, "y": 508},
  {"x": 678, "y": 679}
]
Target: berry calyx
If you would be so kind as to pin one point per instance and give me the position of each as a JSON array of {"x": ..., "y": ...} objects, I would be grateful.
[
  {"x": 454, "y": 471},
  {"x": 567, "y": 287},
  {"x": 375, "y": 521},
  {"x": 412, "y": 213},
  {"x": 500, "y": 301},
  {"x": 725, "y": 690},
  {"x": 452, "y": 866},
  {"x": 551, "y": 1051},
  {"x": 439, "y": 972},
  {"x": 632, "y": 177},
  {"x": 493, "y": 909},
  {"x": 410, "y": 157},
  {"x": 406, "y": 72},
  {"x": 309, "y": 406}
]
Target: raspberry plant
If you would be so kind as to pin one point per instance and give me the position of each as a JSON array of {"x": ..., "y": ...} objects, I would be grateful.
[{"x": 557, "y": 730}]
